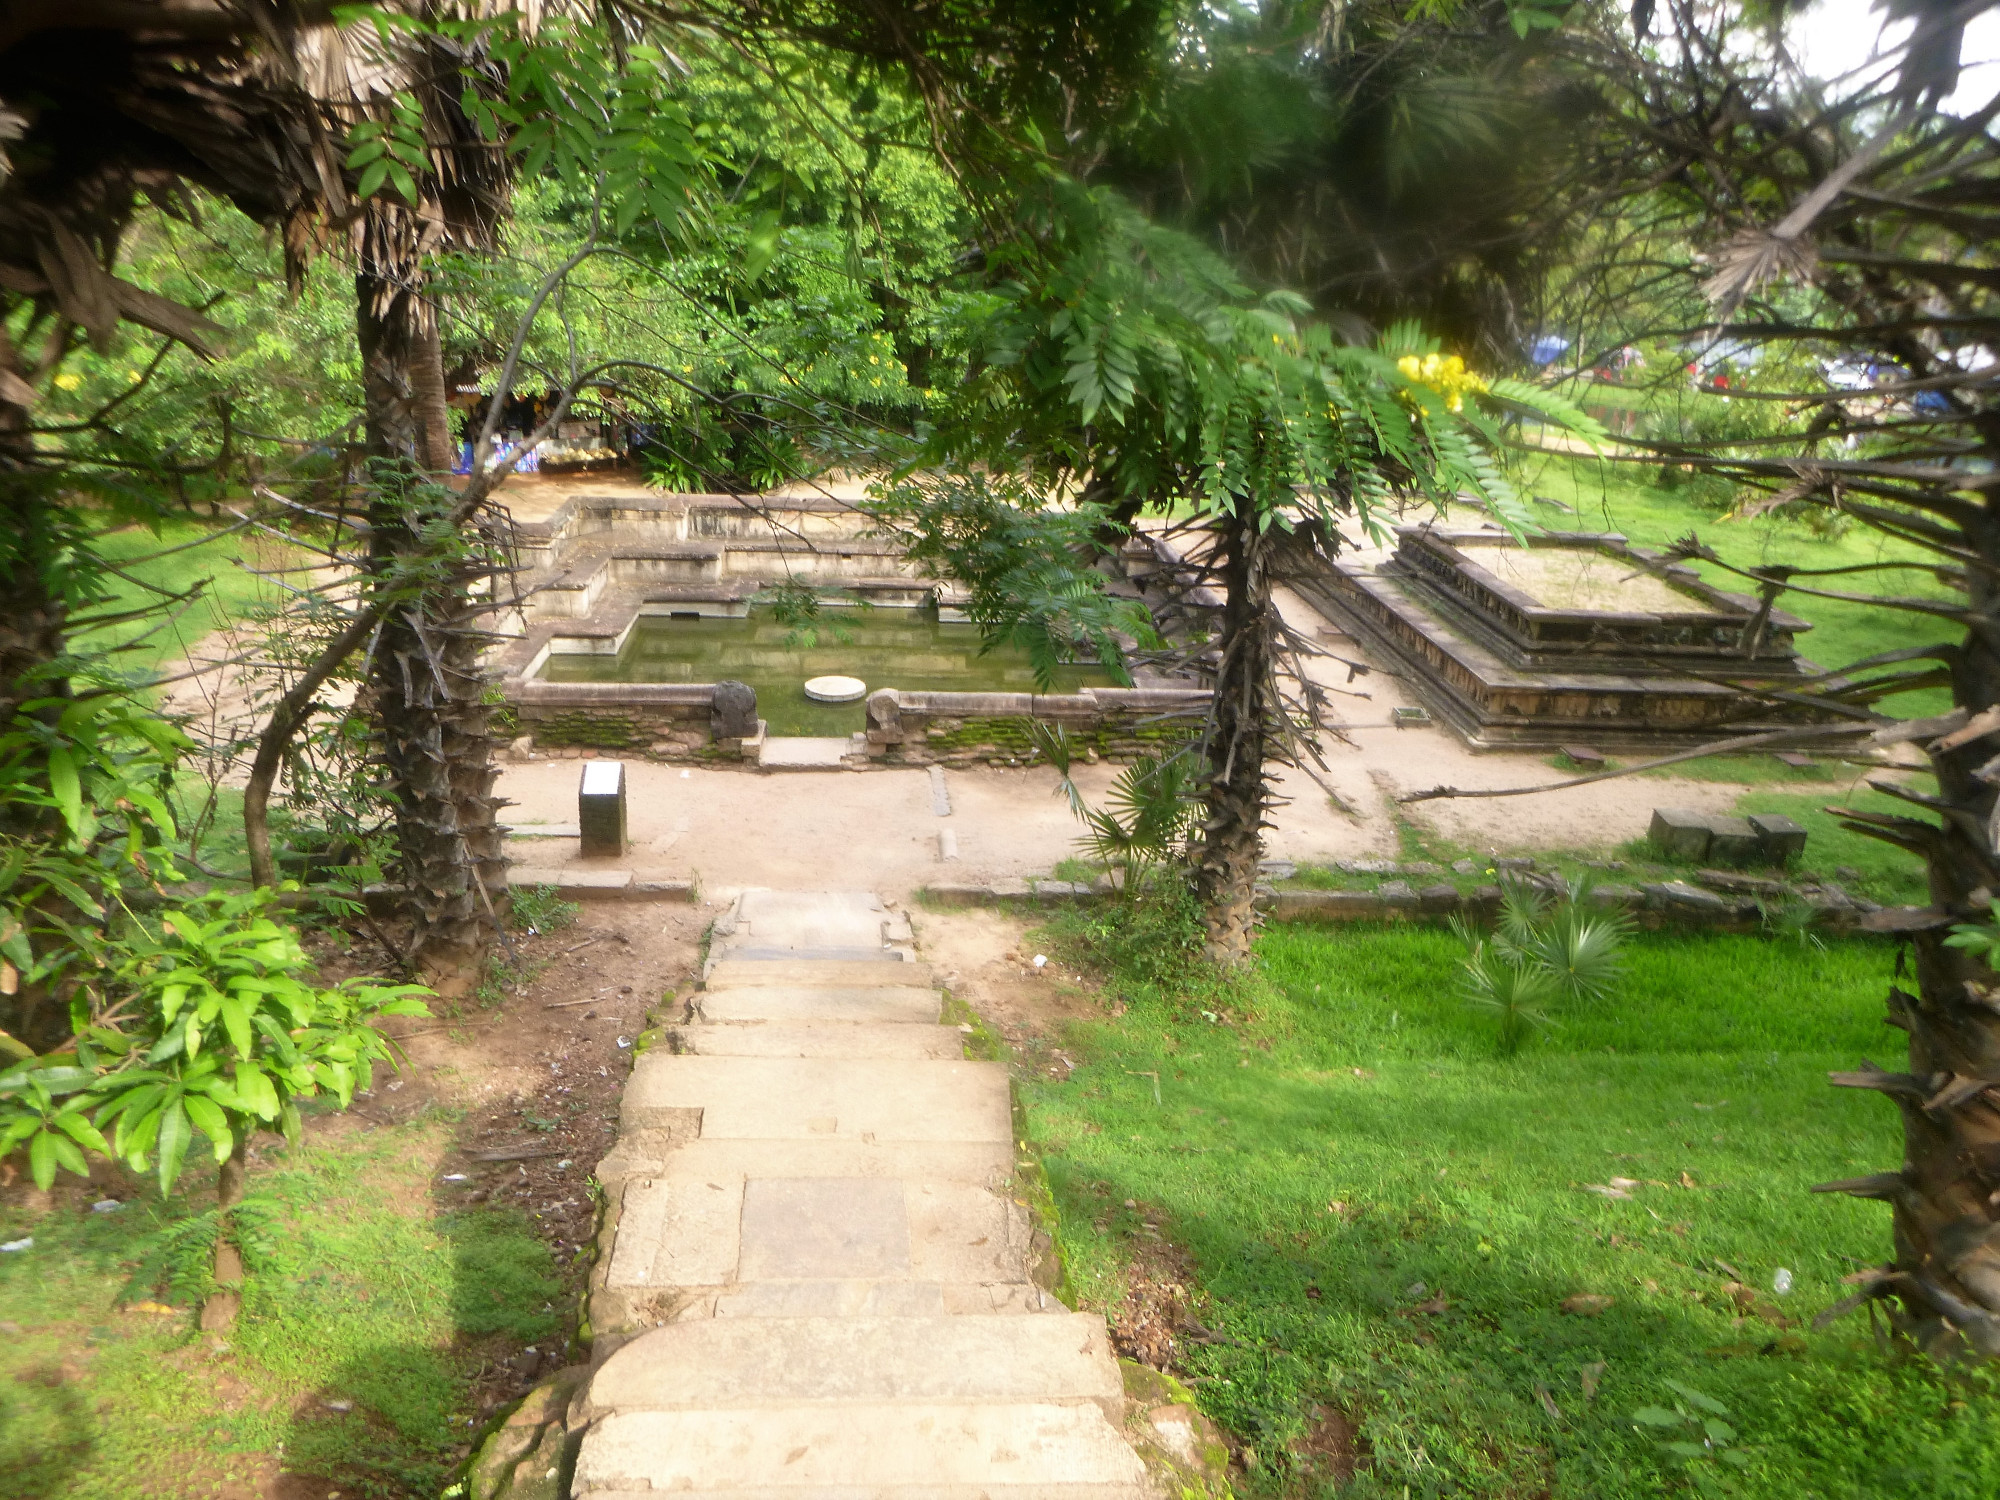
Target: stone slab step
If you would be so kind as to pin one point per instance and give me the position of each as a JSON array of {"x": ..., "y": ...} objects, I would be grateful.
[
  {"x": 869, "y": 1299},
  {"x": 984, "y": 1163},
  {"x": 807, "y": 919},
  {"x": 802, "y": 753},
  {"x": 806, "y": 953},
  {"x": 792, "y": 1098},
  {"x": 897, "y": 1003},
  {"x": 710, "y": 1230},
  {"x": 863, "y": 1448},
  {"x": 831, "y": 1039},
  {"x": 735, "y": 1362},
  {"x": 899, "y": 1492},
  {"x": 734, "y": 973}
]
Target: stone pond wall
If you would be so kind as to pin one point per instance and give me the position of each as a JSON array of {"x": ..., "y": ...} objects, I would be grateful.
[
  {"x": 688, "y": 722},
  {"x": 663, "y": 720},
  {"x": 1118, "y": 724}
]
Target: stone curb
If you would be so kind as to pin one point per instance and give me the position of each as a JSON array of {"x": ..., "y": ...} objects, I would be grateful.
[
  {"x": 1660, "y": 904},
  {"x": 601, "y": 885}
]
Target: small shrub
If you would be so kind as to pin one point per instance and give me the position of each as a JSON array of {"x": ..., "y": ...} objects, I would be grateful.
[
  {"x": 539, "y": 908},
  {"x": 1544, "y": 949}
]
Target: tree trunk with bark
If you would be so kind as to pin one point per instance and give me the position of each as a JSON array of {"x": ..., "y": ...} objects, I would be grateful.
[
  {"x": 426, "y": 686},
  {"x": 1945, "y": 1198},
  {"x": 1245, "y": 721},
  {"x": 218, "y": 1313}
]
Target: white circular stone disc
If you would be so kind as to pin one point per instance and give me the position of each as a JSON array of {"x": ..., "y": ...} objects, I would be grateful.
[{"x": 835, "y": 689}]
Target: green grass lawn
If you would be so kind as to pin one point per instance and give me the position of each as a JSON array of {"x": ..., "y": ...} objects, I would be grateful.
[
  {"x": 208, "y": 555},
  {"x": 353, "y": 1359},
  {"x": 1384, "y": 1218}
]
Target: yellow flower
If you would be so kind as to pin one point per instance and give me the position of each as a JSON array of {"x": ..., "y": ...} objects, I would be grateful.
[
  {"x": 68, "y": 382},
  {"x": 1444, "y": 373}
]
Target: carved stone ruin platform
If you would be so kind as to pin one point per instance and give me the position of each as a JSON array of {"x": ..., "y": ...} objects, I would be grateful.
[{"x": 1578, "y": 638}]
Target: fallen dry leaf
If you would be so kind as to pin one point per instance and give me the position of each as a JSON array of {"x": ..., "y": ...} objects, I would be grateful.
[
  {"x": 1587, "y": 1304},
  {"x": 1592, "y": 1373},
  {"x": 1627, "y": 1183},
  {"x": 1688, "y": 1182},
  {"x": 1548, "y": 1402},
  {"x": 1605, "y": 1191}
]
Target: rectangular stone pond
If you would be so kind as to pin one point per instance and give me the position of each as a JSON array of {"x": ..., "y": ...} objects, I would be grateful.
[{"x": 900, "y": 648}]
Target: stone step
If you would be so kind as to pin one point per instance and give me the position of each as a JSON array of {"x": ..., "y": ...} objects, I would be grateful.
[
  {"x": 735, "y": 1362},
  {"x": 865, "y": 1299},
  {"x": 864, "y": 1449},
  {"x": 894, "y": 1003},
  {"x": 830, "y": 1039},
  {"x": 983, "y": 1163},
  {"x": 793, "y": 1098},
  {"x": 808, "y": 953},
  {"x": 809, "y": 919},
  {"x": 735, "y": 973},
  {"x": 900, "y": 1492},
  {"x": 684, "y": 1232}
]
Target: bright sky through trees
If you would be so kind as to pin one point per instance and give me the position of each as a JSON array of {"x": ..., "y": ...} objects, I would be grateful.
[{"x": 1836, "y": 37}]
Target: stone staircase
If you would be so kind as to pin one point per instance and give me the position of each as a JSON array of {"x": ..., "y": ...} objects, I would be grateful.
[{"x": 820, "y": 1284}]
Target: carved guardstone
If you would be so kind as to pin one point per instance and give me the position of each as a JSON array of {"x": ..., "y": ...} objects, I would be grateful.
[{"x": 734, "y": 715}]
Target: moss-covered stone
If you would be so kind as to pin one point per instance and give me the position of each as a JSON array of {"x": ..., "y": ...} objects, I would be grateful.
[
  {"x": 1182, "y": 1449},
  {"x": 591, "y": 731},
  {"x": 528, "y": 1454}
]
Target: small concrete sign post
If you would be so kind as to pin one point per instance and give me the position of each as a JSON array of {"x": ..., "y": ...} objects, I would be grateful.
[{"x": 600, "y": 810}]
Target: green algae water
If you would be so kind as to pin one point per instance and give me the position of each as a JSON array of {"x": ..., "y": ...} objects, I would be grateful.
[{"x": 899, "y": 648}]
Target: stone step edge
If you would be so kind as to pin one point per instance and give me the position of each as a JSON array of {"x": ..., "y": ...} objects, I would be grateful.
[
  {"x": 1056, "y": 1491},
  {"x": 943, "y": 1434}
]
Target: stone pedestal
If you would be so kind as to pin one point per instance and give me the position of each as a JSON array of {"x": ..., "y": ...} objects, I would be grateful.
[{"x": 600, "y": 810}]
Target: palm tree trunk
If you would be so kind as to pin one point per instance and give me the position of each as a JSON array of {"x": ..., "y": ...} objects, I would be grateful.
[
  {"x": 426, "y": 684},
  {"x": 1240, "y": 732},
  {"x": 1946, "y": 1196}
]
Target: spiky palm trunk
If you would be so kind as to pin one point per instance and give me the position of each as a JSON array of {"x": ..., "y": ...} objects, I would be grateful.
[
  {"x": 1241, "y": 731},
  {"x": 1946, "y": 1196},
  {"x": 425, "y": 680}
]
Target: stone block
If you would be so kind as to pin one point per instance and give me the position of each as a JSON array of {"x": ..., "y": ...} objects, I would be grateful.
[
  {"x": 1678, "y": 896},
  {"x": 600, "y": 810},
  {"x": 1438, "y": 898},
  {"x": 1397, "y": 893},
  {"x": 1327, "y": 906},
  {"x": 1614, "y": 897},
  {"x": 1732, "y": 841},
  {"x": 1783, "y": 839},
  {"x": 1680, "y": 834}
]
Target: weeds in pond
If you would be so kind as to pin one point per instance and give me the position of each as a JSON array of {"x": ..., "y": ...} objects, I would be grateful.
[{"x": 806, "y": 612}]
